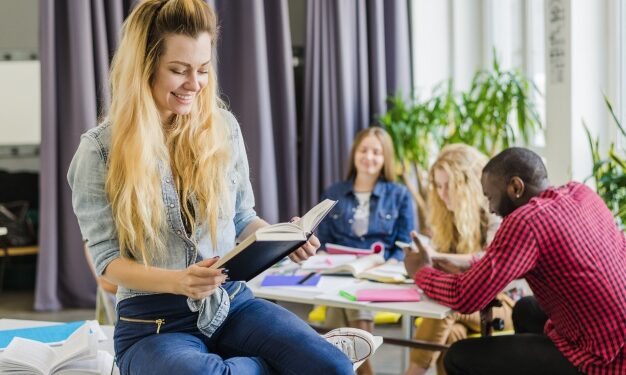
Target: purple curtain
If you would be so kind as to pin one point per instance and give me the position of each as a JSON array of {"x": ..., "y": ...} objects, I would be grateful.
[
  {"x": 76, "y": 42},
  {"x": 357, "y": 54},
  {"x": 256, "y": 77}
]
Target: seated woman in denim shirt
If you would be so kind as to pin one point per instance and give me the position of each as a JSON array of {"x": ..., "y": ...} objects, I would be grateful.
[
  {"x": 161, "y": 190},
  {"x": 370, "y": 208}
]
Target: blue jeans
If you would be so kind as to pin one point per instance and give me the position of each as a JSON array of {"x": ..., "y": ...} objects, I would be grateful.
[{"x": 257, "y": 337}]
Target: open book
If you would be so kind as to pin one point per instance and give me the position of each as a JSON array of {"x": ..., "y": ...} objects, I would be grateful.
[
  {"x": 371, "y": 267},
  {"x": 77, "y": 356},
  {"x": 269, "y": 244}
]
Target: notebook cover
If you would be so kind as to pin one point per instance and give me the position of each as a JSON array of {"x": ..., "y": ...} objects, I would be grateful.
[
  {"x": 54, "y": 334},
  {"x": 387, "y": 295},
  {"x": 258, "y": 257},
  {"x": 289, "y": 280}
]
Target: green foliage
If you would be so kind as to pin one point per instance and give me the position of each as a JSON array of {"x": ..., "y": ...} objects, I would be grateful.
[
  {"x": 484, "y": 113},
  {"x": 481, "y": 116},
  {"x": 414, "y": 127},
  {"x": 609, "y": 172}
]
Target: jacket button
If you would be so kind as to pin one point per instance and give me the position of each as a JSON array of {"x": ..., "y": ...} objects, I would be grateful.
[
  {"x": 388, "y": 217},
  {"x": 179, "y": 232},
  {"x": 172, "y": 205},
  {"x": 168, "y": 180}
]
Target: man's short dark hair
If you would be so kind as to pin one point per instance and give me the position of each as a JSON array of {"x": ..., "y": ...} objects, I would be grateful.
[{"x": 520, "y": 162}]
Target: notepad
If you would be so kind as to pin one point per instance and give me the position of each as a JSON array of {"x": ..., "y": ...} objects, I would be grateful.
[
  {"x": 52, "y": 335},
  {"x": 289, "y": 280},
  {"x": 387, "y": 295}
]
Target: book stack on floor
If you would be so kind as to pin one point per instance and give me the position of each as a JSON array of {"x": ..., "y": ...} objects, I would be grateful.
[{"x": 44, "y": 350}]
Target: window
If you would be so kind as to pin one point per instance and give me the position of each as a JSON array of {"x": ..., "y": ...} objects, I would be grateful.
[{"x": 621, "y": 74}]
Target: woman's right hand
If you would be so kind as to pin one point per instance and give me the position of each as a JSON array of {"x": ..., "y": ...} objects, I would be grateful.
[{"x": 198, "y": 281}]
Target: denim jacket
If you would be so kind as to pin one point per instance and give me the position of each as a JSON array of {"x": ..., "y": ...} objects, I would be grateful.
[
  {"x": 391, "y": 219},
  {"x": 86, "y": 176}
]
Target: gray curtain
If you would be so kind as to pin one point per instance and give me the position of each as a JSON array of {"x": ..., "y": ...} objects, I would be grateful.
[
  {"x": 256, "y": 77},
  {"x": 357, "y": 54},
  {"x": 76, "y": 42}
]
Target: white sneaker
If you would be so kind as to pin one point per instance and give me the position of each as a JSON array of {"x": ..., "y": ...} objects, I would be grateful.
[{"x": 357, "y": 344}]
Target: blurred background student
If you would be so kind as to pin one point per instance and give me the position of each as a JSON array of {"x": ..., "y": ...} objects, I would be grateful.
[
  {"x": 461, "y": 224},
  {"x": 371, "y": 208}
]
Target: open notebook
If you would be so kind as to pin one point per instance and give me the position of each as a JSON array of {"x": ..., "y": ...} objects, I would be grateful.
[{"x": 370, "y": 267}]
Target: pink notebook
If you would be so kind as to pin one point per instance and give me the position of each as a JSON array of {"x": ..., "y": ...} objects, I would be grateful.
[{"x": 387, "y": 295}]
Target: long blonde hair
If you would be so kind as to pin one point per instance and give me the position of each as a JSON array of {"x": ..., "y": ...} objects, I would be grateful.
[
  {"x": 193, "y": 146},
  {"x": 464, "y": 229},
  {"x": 389, "y": 164}
]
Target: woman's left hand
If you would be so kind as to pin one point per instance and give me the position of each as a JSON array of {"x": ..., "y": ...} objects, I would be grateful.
[{"x": 307, "y": 250}]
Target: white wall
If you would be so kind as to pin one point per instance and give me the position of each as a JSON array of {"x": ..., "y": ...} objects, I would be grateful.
[
  {"x": 20, "y": 103},
  {"x": 19, "y": 28},
  {"x": 577, "y": 75},
  {"x": 19, "y": 80}
]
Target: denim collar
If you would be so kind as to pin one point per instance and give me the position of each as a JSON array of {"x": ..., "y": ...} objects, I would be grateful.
[{"x": 347, "y": 187}]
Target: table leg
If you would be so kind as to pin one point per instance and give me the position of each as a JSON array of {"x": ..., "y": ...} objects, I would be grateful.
[{"x": 407, "y": 332}]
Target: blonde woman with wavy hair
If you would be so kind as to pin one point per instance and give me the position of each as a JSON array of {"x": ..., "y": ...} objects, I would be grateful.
[
  {"x": 161, "y": 190},
  {"x": 461, "y": 224}
]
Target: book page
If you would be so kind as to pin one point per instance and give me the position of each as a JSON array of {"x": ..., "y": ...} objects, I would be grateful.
[
  {"x": 80, "y": 345},
  {"x": 27, "y": 355},
  {"x": 311, "y": 219},
  {"x": 324, "y": 262},
  {"x": 100, "y": 365},
  {"x": 359, "y": 265},
  {"x": 386, "y": 273},
  {"x": 280, "y": 228}
]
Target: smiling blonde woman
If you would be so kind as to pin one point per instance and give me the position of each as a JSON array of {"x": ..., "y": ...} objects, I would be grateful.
[{"x": 161, "y": 190}]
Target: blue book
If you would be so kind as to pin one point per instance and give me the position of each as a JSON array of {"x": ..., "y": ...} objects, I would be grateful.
[
  {"x": 290, "y": 280},
  {"x": 53, "y": 334}
]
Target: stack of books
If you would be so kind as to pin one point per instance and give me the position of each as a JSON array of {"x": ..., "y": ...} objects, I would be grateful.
[{"x": 63, "y": 349}]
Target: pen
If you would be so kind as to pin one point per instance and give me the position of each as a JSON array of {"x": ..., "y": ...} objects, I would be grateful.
[
  {"x": 347, "y": 295},
  {"x": 305, "y": 278}
]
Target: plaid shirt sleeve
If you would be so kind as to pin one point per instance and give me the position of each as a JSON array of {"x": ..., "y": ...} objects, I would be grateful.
[{"x": 512, "y": 253}]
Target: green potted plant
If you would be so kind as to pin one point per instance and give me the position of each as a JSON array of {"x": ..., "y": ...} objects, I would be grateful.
[
  {"x": 609, "y": 172},
  {"x": 416, "y": 130},
  {"x": 481, "y": 117},
  {"x": 483, "y": 114}
]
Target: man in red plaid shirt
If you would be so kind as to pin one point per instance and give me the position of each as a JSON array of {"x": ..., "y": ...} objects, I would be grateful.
[{"x": 565, "y": 243}]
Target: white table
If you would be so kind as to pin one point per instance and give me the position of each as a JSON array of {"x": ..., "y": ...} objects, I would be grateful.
[{"x": 327, "y": 293}]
